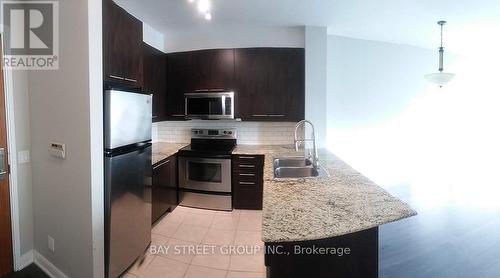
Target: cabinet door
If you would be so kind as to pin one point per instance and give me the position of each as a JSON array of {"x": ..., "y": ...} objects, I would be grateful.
[
  {"x": 247, "y": 181},
  {"x": 197, "y": 70},
  {"x": 155, "y": 77},
  {"x": 165, "y": 189},
  {"x": 270, "y": 84},
  {"x": 177, "y": 75},
  {"x": 122, "y": 42}
]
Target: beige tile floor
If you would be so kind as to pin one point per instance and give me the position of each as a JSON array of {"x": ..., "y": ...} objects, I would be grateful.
[{"x": 196, "y": 243}]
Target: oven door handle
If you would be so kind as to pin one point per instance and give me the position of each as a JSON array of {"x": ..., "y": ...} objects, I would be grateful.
[{"x": 206, "y": 160}]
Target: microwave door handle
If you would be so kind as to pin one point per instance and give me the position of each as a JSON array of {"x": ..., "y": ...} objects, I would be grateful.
[{"x": 223, "y": 105}]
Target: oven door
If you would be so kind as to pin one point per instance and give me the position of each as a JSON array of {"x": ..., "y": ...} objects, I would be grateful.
[{"x": 205, "y": 174}]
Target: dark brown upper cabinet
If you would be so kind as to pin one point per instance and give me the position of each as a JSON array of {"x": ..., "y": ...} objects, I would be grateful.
[
  {"x": 270, "y": 84},
  {"x": 122, "y": 42},
  {"x": 197, "y": 70},
  {"x": 155, "y": 79}
]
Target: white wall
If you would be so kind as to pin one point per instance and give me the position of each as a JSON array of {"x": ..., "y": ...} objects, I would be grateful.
[
  {"x": 389, "y": 123},
  {"x": 153, "y": 37},
  {"x": 370, "y": 84},
  {"x": 316, "y": 68},
  {"x": 214, "y": 36},
  {"x": 60, "y": 111}
]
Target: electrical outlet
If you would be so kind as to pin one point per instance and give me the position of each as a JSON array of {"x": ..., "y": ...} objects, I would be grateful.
[
  {"x": 23, "y": 157},
  {"x": 51, "y": 243}
]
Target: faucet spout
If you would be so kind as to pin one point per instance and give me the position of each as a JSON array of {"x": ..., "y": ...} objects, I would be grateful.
[{"x": 313, "y": 156}]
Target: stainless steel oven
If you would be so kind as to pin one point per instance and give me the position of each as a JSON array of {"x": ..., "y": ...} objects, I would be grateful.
[
  {"x": 209, "y": 105},
  {"x": 205, "y": 169},
  {"x": 206, "y": 174}
]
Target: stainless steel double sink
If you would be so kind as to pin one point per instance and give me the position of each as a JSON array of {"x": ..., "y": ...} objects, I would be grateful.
[{"x": 296, "y": 167}]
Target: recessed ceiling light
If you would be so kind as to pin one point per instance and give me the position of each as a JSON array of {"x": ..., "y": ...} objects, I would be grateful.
[
  {"x": 203, "y": 6},
  {"x": 208, "y": 16},
  {"x": 190, "y": 1}
]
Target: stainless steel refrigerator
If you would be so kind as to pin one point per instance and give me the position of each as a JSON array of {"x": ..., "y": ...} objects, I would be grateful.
[{"x": 127, "y": 179}]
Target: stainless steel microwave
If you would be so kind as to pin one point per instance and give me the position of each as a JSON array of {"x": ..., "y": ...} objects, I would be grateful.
[{"x": 209, "y": 105}]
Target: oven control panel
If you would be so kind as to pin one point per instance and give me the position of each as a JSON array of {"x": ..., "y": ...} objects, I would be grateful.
[{"x": 214, "y": 133}]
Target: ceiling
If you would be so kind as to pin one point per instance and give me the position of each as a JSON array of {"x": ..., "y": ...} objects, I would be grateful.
[{"x": 413, "y": 22}]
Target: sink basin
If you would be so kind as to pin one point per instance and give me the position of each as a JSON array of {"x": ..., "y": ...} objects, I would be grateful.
[
  {"x": 296, "y": 168},
  {"x": 291, "y": 162},
  {"x": 295, "y": 172}
]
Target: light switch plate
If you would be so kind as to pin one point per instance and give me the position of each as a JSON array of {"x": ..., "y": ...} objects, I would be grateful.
[
  {"x": 51, "y": 243},
  {"x": 23, "y": 157},
  {"x": 57, "y": 149}
]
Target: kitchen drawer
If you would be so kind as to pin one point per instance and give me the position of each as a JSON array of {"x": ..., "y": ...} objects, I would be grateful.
[
  {"x": 248, "y": 163},
  {"x": 246, "y": 184},
  {"x": 250, "y": 158},
  {"x": 254, "y": 176}
]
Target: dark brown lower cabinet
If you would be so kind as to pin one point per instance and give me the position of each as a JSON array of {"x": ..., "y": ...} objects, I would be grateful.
[
  {"x": 165, "y": 189},
  {"x": 248, "y": 175},
  {"x": 347, "y": 256}
]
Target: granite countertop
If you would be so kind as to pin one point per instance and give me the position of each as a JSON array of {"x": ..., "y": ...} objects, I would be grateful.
[
  {"x": 162, "y": 150},
  {"x": 323, "y": 207}
]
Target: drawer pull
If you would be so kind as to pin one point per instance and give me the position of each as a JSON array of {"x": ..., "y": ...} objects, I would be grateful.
[
  {"x": 161, "y": 164},
  {"x": 130, "y": 79},
  {"x": 277, "y": 115},
  {"x": 246, "y": 166},
  {"x": 248, "y": 175},
  {"x": 246, "y": 183},
  {"x": 116, "y": 77},
  {"x": 260, "y": 115},
  {"x": 246, "y": 157}
]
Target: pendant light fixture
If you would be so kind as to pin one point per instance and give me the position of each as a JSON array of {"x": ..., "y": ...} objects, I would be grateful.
[{"x": 440, "y": 78}]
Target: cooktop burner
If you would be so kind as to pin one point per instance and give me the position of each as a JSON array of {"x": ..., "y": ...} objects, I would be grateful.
[{"x": 210, "y": 143}]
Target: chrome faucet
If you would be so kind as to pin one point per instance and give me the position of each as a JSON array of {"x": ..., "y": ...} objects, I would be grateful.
[{"x": 313, "y": 156}]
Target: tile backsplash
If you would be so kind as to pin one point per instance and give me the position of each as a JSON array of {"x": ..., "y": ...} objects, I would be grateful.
[{"x": 251, "y": 133}]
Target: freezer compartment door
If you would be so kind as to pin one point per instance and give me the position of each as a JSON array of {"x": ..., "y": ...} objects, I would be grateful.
[
  {"x": 127, "y": 118},
  {"x": 127, "y": 208}
]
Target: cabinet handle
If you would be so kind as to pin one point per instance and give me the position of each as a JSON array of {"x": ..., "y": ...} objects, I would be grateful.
[
  {"x": 246, "y": 166},
  {"x": 246, "y": 183},
  {"x": 258, "y": 115},
  {"x": 122, "y": 78},
  {"x": 248, "y": 175},
  {"x": 116, "y": 77},
  {"x": 130, "y": 79},
  {"x": 161, "y": 164},
  {"x": 155, "y": 117},
  {"x": 277, "y": 115},
  {"x": 246, "y": 157}
]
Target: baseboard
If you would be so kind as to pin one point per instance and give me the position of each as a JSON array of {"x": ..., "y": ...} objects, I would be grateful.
[
  {"x": 47, "y": 266},
  {"x": 25, "y": 260}
]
